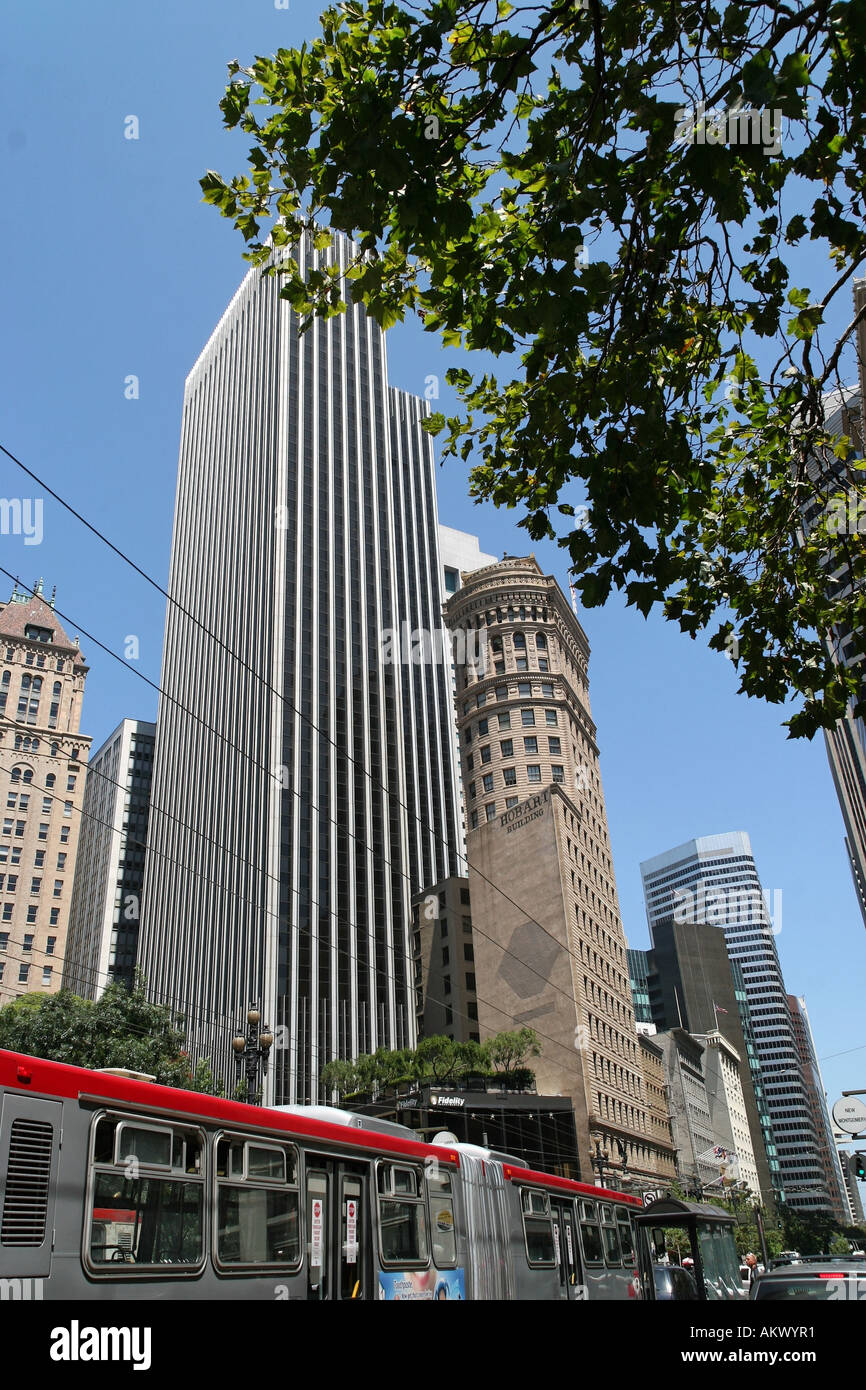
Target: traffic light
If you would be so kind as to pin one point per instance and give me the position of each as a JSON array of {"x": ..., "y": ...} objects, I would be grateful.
[{"x": 857, "y": 1166}]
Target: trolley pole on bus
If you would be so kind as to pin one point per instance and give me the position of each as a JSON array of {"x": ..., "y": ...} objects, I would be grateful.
[{"x": 252, "y": 1051}]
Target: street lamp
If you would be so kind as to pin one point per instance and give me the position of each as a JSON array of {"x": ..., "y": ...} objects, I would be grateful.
[
  {"x": 599, "y": 1159},
  {"x": 252, "y": 1050}
]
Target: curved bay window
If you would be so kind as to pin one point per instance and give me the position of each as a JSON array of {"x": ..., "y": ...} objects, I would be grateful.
[
  {"x": 402, "y": 1216},
  {"x": 146, "y": 1207},
  {"x": 257, "y": 1204}
]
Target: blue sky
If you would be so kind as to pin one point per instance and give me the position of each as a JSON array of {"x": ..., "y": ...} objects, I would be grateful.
[{"x": 113, "y": 267}]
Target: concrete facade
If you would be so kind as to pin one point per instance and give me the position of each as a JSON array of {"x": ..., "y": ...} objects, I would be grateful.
[
  {"x": 43, "y": 761},
  {"x": 444, "y": 962},
  {"x": 664, "y": 1154},
  {"x": 109, "y": 873},
  {"x": 724, "y": 1072},
  {"x": 542, "y": 885},
  {"x": 691, "y": 1121}
]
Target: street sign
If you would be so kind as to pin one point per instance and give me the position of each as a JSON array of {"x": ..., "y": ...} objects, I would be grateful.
[
  {"x": 849, "y": 1114},
  {"x": 650, "y": 1197}
]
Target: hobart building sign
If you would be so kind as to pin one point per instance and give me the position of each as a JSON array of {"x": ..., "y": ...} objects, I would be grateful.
[{"x": 519, "y": 816}]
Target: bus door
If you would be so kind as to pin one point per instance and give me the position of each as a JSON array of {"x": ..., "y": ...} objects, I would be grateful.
[
  {"x": 29, "y": 1149},
  {"x": 565, "y": 1244},
  {"x": 339, "y": 1251}
]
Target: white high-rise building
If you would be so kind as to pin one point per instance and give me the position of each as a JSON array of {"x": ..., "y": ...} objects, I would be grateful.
[
  {"x": 305, "y": 768},
  {"x": 714, "y": 880}
]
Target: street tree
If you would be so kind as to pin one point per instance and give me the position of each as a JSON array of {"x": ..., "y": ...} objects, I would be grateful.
[{"x": 609, "y": 198}]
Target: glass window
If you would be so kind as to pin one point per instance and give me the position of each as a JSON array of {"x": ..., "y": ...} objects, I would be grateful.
[
  {"x": 482, "y": 727},
  {"x": 530, "y": 744},
  {"x": 441, "y": 1204},
  {"x": 625, "y": 1235},
  {"x": 402, "y": 1217},
  {"x": 524, "y": 689},
  {"x": 258, "y": 1204},
  {"x": 490, "y": 811},
  {"x": 527, "y": 717},
  {"x": 488, "y": 781},
  {"x": 501, "y": 694},
  {"x": 509, "y": 776},
  {"x": 485, "y": 753},
  {"x": 558, "y": 772},
  {"x": 506, "y": 748},
  {"x": 537, "y": 1228},
  {"x": 550, "y": 716},
  {"x": 139, "y": 1220},
  {"x": 555, "y": 746},
  {"x": 505, "y": 721},
  {"x": 533, "y": 772}
]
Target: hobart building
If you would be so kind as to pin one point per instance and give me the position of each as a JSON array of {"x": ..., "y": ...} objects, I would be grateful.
[{"x": 550, "y": 952}]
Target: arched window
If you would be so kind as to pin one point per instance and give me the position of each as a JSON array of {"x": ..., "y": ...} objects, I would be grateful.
[
  {"x": 25, "y": 681},
  {"x": 28, "y": 775},
  {"x": 16, "y": 774},
  {"x": 5, "y": 680},
  {"x": 50, "y": 780},
  {"x": 37, "y": 684},
  {"x": 541, "y": 641},
  {"x": 519, "y": 642},
  {"x": 55, "y": 749},
  {"x": 58, "y": 686},
  {"x": 17, "y": 741}
]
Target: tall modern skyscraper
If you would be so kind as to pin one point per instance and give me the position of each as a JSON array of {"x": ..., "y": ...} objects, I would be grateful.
[
  {"x": 109, "y": 871},
  {"x": 817, "y": 1097},
  {"x": 305, "y": 768},
  {"x": 549, "y": 948},
  {"x": 43, "y": 759},
  {"x": 714, "y": 881}
]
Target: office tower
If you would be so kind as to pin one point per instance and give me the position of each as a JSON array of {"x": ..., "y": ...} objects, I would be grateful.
[
  {"x": 461, "y": 554},
  {"x": 817, "y": 1098},
  {"x": 658, "y": 1113},
  {"x": 444, "y": 962},
  {"x": 725, "y": 1076},
  {"x": 43, "y": 759},
  {"x": 713, "y": 881},
  {"x": 304, "y": 753},
  {"x": 638, "y": 976},
  {"x": 109, "y": 872},
  {"x": 834, "y": 478},
  {"x": 549, "y": 943},
  {"x": 688, "y": 980},
  {"x": 689, "y": 1104}
]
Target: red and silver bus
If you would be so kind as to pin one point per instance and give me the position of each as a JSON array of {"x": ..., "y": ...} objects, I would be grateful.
[{"x": 115, "y": 1188}]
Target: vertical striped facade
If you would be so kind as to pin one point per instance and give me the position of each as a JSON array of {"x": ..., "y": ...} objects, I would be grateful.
[{"x": 308, "y": 780}]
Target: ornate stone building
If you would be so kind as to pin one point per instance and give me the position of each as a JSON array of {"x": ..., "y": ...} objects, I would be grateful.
[
  {"x": 43, "y": 760},
  {"x": 550, "y": 951}
]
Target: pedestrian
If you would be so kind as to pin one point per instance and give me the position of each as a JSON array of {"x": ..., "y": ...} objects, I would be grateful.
[{"x": 752, "y": 1262}]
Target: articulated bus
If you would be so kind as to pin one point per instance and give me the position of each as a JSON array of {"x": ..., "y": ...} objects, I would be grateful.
[{"x": 115, "y": 1188}]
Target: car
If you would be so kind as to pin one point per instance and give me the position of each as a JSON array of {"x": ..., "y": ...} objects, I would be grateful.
[
  {"x": 826, "y": 1280},
  {"x": 674, "y": 1283}
]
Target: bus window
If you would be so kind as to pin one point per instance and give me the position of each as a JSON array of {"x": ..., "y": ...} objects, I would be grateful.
[
  {"x": 626, "y": 1239},
  {"x": 258, "y": 1204},
  {"x": 146, "y": 1205},
  {"x": 537, "y": 1227},
  {"x": 402, "y": 1221},
  {"x": 612, "y": 1255},
  {"x": 590, "y": 1235},
  {"x": 441, "y": 1203}
]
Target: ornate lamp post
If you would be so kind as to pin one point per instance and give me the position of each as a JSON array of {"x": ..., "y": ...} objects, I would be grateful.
[
  {"x": 599, "y": 1159},
  {"x": 251, "y": 1051}
]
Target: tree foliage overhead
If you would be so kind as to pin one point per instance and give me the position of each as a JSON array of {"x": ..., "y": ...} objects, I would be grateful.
[
  {"x": 548, "y": 183},
  {"x": 120, "y": 1029}
]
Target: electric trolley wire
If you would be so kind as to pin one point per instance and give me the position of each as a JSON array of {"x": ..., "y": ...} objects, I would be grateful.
[
  {"x": 329, "y": 819},
  {"x": 280, "y": 694},
  {"x": 180, "y": 1004}
]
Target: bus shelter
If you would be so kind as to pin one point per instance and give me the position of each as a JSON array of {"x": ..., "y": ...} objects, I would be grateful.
[{"x": 710, "y": 1234}]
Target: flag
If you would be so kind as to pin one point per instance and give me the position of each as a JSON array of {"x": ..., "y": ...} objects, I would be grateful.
[{"x": 719, "y": 1010}]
